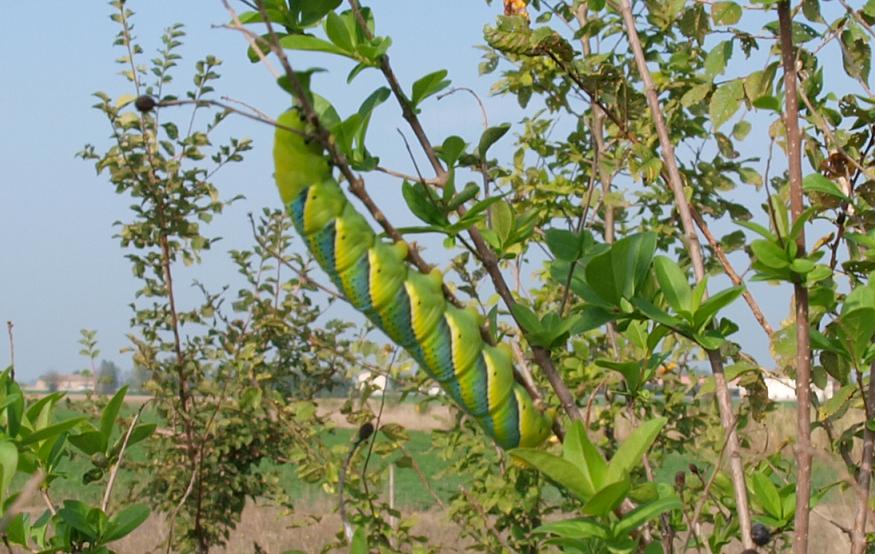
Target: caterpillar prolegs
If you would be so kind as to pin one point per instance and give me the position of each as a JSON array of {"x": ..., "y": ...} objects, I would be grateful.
[{"x": 409, "y": 306}]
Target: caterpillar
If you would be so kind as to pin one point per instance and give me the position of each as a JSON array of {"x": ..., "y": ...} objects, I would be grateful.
[{"x": 407, "y": 305}]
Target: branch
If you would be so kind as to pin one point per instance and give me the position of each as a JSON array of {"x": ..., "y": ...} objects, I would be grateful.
[
  {"x": 730, "y": 272},
  {"x": 114, "y": 471},
  {"x": 803, "y": 350},
  {"x": 675, "y": 183},
  {"x": 484, "y": 253},
  {"x": 858, "y": 534},
  {"x": 704, "y": 497},
  {"x": 407, "y": 110}
]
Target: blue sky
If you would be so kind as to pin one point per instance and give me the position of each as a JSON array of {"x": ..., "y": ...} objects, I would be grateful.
[{"x": 63, "y": 271}]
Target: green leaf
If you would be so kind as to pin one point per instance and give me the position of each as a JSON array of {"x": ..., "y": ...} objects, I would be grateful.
[
  {"x": 856, "y": 54},
  {"x": 121, "y": 524},
  {"x": 8, "y": 466},
  {"x": 420, "y": 203},
  {"x": 766, "y": 494},
  {"x": 338, "y": 32},
  {"x": 816, "y": 182},
  {"x": 769, "y": 254},
  {"x": 629, "y": 455},
  {"x": 75, "y": 514},
  {"x": 644, "y": 513},
  {"x": 759, "y": 229},
  {"x": 489, "y": 137},
  {"x": 578, "y": 450},
  {"x": 141, "y": 432},
  {"x": 50, "y": 431},
  {"x": 564, "y": 244},
  {"x": 811, "y": 10},
  {"x": 590, "y": 317},
  {"x": 451, "y": 149},
  {"x": 502, "y": 220},
  {"x": 715, "y": 61},
  {"x": 725, "y": 13},
  {"x": 768, "y": 103},
  {"x": 110, "y": 412},
  {"x": 526, "y": 318},
  {"x": 89, "y": 442},
  {"x": 725, "y": 102},
  {"x": 311, "y": 44},
  {"x": 607, "y": 498},
  {"x": 714, "y": 304},
  {"x": 429, "y": 85},
  {"x": 630, "y": 260},
  {"x": 581, "y": 528},
  {"x": 631, "y": 371},
  {"x": 672, "y": 283},
  {"x": 558, "y": 469},
  {"x": 838, "y": 402}
]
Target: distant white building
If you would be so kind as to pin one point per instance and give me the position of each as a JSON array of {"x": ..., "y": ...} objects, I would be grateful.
[
  {"x": 67, "y": 382},
  {"x": 782, "y": 389}
]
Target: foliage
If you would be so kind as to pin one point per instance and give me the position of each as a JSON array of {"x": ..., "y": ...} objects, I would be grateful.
[
  {"x": 612, "y": 324},
  {"x": 34, "y": 443}
]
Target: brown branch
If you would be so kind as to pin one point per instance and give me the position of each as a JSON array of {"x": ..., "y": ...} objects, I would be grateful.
[
  {"x": 864, "y": 476},
  {"x": 484, "y": 253},
  {"x": 489, "y": 526},
  {"x": 407, "y": 110},
  {"x": 173, "y": 514},
  {"x": 675, "y": 183},
  {"x": 411, "y": 178},
  {"x": 803, "y": 350},
  {"x": 422, "y": 477},
  {"x": 302, "y": 275}
]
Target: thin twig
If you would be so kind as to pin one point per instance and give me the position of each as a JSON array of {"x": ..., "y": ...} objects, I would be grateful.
[
  {"x": 114, "y": 471},
  {"x": 489, "y": 526},
  {"x": 476, "y": 97},
  {"x": 730, "y": 272},
  {"x": 411, "y": 178},
  {"x": 251, "y": 38},
  {"x": 422, "y": 477},
  {"x": 173, "y": 514},
  {"x": 48, "y": 500},
  {"x": 374, "y": 435},
  {"x": 704, "y": 496},
  {"x": 302, "y": 275}
]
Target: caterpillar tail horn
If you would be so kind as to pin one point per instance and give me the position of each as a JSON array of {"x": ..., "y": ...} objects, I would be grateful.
[{"x": 407, "y": 305}]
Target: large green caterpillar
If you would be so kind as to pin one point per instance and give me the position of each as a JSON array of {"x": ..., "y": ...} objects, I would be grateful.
[{"x": 409, "y": 306}]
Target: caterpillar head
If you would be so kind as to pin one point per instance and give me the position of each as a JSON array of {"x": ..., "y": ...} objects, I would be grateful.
[{"x": 298, "y": 161}]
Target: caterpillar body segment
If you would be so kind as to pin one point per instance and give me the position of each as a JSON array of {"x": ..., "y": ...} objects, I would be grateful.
[{"x": 409, "y": 306}]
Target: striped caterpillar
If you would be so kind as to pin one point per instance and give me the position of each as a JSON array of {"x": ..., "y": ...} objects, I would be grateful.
[{"x": 409, "y": 306}]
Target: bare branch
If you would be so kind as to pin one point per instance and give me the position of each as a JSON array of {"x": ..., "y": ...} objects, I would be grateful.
[{"x": 803, "y": 349}]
